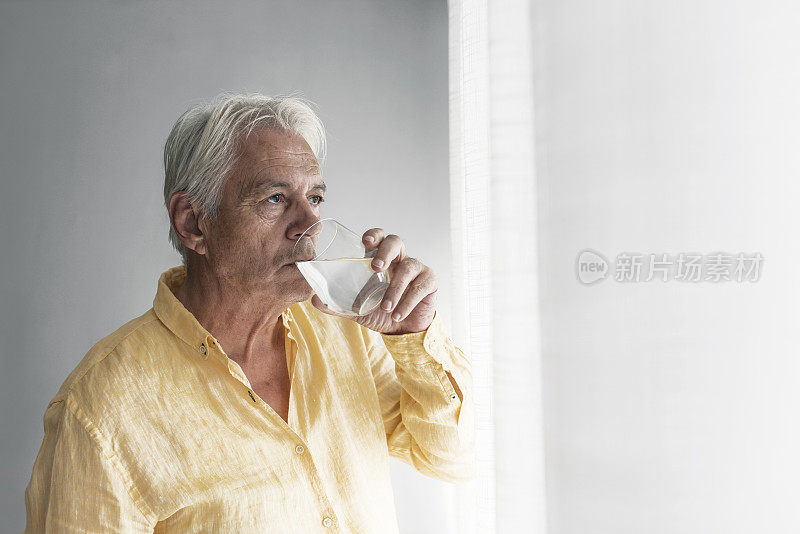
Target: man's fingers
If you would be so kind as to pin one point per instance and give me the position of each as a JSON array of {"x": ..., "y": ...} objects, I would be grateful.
[
  {"x": 373, "y": 237},
  {"x": 410, "y": 280},
  {"x": 419, "y": 288},
  {"x": 402, "y": 274},
  {"x": 390, "y": 248}
]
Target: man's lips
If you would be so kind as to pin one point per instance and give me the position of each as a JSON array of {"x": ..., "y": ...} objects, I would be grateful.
[{"x": 307, "y": 257}]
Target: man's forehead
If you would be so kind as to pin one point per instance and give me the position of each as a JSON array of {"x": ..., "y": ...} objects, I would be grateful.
[
  {"x": 268, "y": 147},
  {"x": 269, "y": 155},
  {"x": 270, "y": 144}
]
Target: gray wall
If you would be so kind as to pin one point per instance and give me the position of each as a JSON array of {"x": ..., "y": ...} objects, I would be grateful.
[
  {"x": 89, "y": 93},
  {"x": 667, "y": 127}
]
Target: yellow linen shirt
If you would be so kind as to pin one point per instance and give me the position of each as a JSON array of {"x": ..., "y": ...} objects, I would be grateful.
[{"x": 157, "y": 430}]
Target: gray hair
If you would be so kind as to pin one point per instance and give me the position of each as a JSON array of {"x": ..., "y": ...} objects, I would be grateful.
[{"x": 200, "y": 151}]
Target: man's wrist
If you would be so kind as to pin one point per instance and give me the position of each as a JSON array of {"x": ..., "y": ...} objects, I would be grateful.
[
  {"x": 405, "y": 333},
  {"x": 417, "y": 346}
]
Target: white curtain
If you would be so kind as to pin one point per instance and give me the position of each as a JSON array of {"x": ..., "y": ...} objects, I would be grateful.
[{"x": 493, "y": 221}]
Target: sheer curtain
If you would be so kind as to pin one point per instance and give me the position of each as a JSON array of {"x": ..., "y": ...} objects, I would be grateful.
[{"x": 493, "y": 222}]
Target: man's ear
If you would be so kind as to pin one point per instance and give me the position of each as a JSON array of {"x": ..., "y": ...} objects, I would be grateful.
[{"x": 185, "y": 219}]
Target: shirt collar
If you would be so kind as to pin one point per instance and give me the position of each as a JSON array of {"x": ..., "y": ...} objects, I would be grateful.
[
  {"x": 172, "y": 312},
  {"x": 178, "y": 319}
]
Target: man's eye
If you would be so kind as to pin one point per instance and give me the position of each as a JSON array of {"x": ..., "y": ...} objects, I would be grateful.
[{"x": 274, "y": 199}]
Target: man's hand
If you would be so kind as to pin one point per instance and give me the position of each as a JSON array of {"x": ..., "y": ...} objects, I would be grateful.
[{"x": 410, "y": 300}]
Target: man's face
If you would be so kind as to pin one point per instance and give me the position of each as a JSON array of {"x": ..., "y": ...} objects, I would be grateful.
[{"x": 272, "y": 196}]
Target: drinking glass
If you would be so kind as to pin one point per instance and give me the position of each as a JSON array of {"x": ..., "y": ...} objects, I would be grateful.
[{"x": 340, "y": 272}]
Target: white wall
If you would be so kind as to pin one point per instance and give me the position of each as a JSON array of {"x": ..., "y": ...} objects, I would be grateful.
[
  {"x": 666, "y": 127},
  {"x": 89, "y": 92}
]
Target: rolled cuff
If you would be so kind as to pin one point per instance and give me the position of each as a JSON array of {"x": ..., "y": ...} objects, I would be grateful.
[{"x": 420, "y": 348}]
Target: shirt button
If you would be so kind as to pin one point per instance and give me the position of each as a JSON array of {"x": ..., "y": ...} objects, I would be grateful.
[
  {"x": 299, "y": 449},
  {"x": 203, "y": 348},
  {"x": 327, "y": 522}
]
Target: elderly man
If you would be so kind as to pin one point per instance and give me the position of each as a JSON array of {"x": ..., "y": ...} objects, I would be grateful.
[{"x": 239, "y": 402}]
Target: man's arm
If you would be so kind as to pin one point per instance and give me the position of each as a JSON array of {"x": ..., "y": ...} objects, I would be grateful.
[
  {"x": 424, "y": 385},
  {"x": 76, "y": 486}
]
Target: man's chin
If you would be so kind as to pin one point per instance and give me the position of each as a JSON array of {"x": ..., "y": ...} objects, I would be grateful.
[{"x": 298, "y": 289}]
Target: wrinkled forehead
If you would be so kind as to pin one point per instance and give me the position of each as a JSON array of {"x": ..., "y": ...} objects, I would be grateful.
[
  {"x": 270, "y": 154},
  {"x": 275, "y": 147}
]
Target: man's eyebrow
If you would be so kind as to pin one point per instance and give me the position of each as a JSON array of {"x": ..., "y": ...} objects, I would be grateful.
[{"x": 271, "y": 184}]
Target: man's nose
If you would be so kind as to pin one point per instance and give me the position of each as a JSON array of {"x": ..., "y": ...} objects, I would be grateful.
[
  {"x": 312, "y": 233},
  {"x": 305, "y": 219}
]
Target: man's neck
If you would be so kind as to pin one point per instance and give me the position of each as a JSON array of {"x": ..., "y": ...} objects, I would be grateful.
[{"x": 247, "y": 326}]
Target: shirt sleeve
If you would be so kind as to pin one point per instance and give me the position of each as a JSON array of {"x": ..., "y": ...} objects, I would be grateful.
[
  {"x": 76, "y": 486},
  {"x": 424, "y": 385}
]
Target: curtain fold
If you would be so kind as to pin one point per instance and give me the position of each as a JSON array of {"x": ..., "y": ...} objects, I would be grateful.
[{"x": 495, "y": 272}]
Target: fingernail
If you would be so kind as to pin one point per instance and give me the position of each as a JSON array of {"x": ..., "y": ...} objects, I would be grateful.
[
  {"x": 387, "y": 305},
  {"x": 370, "y": 239},
  {"x": 378, "y": 264},
  {"x": 396, "y": 316}
]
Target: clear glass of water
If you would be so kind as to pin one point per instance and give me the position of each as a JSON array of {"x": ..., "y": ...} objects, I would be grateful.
[{"x": 340, "y": 272}]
